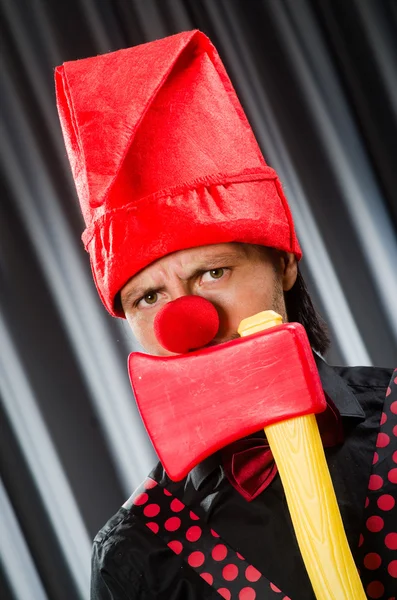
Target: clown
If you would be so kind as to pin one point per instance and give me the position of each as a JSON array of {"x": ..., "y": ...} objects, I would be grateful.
[{"x": 178, "y": 201}]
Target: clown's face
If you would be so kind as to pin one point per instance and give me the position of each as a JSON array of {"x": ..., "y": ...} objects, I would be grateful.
[{"x": 239, "y": 279}]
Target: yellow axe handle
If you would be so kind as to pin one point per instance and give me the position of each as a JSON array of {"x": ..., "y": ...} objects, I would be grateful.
[
  {"x": 298, "y": 451},
  {"x": 299, "y": 454}
]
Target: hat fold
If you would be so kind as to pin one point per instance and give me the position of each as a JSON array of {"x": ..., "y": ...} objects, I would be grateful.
[{"x": 99, "y": 124}]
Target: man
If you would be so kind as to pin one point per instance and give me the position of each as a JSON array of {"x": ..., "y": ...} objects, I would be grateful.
[{"x": 179, "y": 201}]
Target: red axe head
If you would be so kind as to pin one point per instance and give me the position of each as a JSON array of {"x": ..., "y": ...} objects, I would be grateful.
[{"x": 196, "y": 403}]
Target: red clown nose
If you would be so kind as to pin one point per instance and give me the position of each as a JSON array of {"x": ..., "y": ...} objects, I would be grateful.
[{"x": 186, "y": 323}]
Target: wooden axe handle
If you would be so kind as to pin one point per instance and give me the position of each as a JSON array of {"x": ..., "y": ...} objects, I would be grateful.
[{"x": 299, "y": 454}]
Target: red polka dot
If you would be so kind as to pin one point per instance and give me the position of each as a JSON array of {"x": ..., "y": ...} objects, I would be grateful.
[
  {"x": 382, "y": 440},
  {"x": 394, "y": 456},
  {"x": 153, "y": 526},
  {"x": 193, "y": 516},
  {"x": 375, "y": 482},
  {"x": 391, "y": 541},
  {"x": 167, "y": 493},
  {"x": 392, "y": 475},
  {"x": 176, "y": 546},
  {"x": 219, "y": 552},
  {"x": 366, "y": 502},
  {"x": 361, "y": 540},
  {"x": 176, "y": 505},
  {"x": 140, "y": 499},
  {"x": 247, "y": 593},
  {"x": 375, "y": 524},
  {"x": 372, "y": 561},
  {"x": 375, "y": 589},
  {"x": 240, "y": 556},
  {"x": 151, "y": 510},
  {"x": 383, "y": 418},
  {"x": 286, "y": 598},
  {"x": 193, "y": 533},
  {"x": 150, "y": 484},
  {"x": 395, "y": 430},
  {"x": 375, "y": 458},
  {"x": 196, "y": 559},
  {"x": 214, "y": 533},
  {"x": 230, "y": 572},
  {"x": 392, "y": 568},
  {"x": 274, "y": 588},
  {"x": 252, "y": 574},
  {"x": 224, "y": 592},
  {"x": 172, "y": 524},
  {"x": 393, "y": 407},
  {"x": 207, "y": 577},
  {"x": 386, "y": 502},
  {"x": 388, "y": 391}
]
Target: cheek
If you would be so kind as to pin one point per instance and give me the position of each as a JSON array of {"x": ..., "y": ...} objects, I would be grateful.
[
  {"x": 142, "y": 328},
  {"x": 245, "y": 300}
]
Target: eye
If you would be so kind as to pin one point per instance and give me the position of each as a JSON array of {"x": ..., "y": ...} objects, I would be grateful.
[
  {"x": 216, "y": 273},
  {"x": 150, "y": 298},
  {"x": 213, "y": 274}
]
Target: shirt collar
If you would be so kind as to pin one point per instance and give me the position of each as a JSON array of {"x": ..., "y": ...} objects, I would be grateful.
[
  {"x": 334, "y": 387},
  {"x": 338, "y": 390}
]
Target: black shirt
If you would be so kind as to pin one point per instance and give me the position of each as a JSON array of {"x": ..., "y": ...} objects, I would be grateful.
[{"x": 130, "y": 562}]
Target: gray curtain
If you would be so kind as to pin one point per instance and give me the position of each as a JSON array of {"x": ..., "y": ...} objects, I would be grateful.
[{"x": 318, "y": 81}]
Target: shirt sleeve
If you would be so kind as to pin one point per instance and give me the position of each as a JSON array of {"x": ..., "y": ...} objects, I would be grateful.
[{"x": 104, "y": 584}]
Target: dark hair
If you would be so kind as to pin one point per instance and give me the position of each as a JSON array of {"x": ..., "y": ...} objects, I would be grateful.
[
  {"x": 299, "y": 305},
  {"x": 300, "y": 309},
  {"x": 117, "y": 306}
]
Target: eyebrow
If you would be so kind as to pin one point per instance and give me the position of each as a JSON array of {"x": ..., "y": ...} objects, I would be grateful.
[{"x": 206, "y": 265}]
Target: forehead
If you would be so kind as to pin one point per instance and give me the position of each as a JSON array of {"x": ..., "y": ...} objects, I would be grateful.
[
  {"x": 191, "y": 256},
  {"x": 183, "y": 262}
]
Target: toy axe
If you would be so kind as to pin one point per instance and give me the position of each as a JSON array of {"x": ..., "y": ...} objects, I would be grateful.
[{"x": 200, "y": 401}]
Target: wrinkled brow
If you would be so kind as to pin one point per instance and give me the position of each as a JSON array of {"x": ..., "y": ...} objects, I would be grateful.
[{"x": 204, "y": 264}]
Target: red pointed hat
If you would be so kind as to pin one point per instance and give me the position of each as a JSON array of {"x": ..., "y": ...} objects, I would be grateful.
[{"x": 164, "y": 158}]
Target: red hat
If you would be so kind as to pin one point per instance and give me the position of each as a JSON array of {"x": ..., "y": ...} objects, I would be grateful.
[{"x": 164, "y": 158}]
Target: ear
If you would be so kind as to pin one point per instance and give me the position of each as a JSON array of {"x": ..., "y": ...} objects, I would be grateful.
[{"x": 289, "y": 270}]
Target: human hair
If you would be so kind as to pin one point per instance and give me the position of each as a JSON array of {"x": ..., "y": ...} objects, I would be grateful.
[
  {"x": 298, "y": 303},
  {"x": 300, "y": 309}
]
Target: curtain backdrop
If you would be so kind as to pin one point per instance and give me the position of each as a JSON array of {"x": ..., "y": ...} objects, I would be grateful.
[{"x": 318, "y": 80}]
